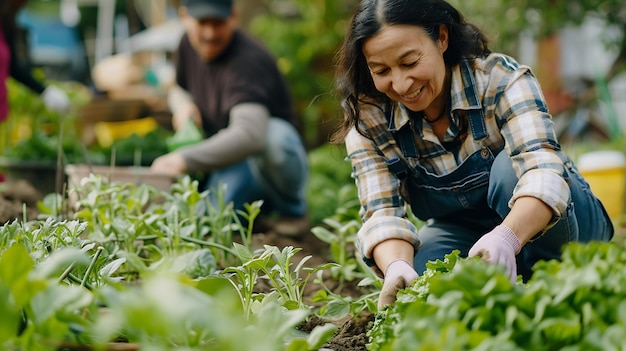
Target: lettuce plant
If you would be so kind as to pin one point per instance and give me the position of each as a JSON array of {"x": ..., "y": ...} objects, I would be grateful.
[{"x": 577, "y": 303}]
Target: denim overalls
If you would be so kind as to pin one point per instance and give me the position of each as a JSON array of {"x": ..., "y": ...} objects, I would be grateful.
[{"x": 461, "y": 206}]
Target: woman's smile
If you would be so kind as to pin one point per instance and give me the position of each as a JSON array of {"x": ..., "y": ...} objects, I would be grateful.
[{"x": 412, "y": 95}]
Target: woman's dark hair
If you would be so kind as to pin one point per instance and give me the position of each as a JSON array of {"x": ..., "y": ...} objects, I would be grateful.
[{"x": 354, "y": 82}]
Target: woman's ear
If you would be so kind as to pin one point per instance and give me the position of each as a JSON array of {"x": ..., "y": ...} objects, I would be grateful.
[{"x": 443, "y": 38}]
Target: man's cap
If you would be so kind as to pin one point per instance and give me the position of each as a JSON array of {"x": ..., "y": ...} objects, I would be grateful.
[{"x": 208, "y": 8}]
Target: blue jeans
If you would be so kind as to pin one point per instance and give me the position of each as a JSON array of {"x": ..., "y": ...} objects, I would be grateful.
[
  {"x": 585, "y": 220},
  {"x": 278, "y": 175}
]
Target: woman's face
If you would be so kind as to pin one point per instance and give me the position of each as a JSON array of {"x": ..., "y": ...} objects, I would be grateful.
[{"x": 408, "y": 66}]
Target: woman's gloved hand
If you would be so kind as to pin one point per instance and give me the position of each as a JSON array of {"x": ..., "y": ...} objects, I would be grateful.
[
  {"x": 398, "y": 275},
  {"x": 55, "y": 99},
  {"x": 499, "y": 246}
]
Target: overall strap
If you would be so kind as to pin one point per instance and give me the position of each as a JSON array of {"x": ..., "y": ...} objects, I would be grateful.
[
  {"x": 403, "y": 136},
  {"x": 476, "y": 117},
  {"x": 477, "y": 125}
]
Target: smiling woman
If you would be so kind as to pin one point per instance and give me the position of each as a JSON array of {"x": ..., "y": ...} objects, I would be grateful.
[{"x": 434, "y": 119}]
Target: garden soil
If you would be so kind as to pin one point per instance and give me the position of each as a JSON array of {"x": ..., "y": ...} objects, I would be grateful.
[
  {"x": 19, "y": 199},
  {"x": 351, "y": 334}
]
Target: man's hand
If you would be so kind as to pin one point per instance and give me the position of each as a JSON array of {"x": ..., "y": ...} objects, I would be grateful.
[
  {"x": 499, "y": 246},
  {"x": 172, "y": 163},
  {"x": 55, "y": 99},
  {"x": 398, "y": 275}
]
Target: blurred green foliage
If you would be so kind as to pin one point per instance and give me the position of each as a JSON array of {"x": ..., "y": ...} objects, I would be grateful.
[
  {"x": 34, "y": 133},
  {"x": 504, "y": 20},
  {"x": 304, "y": 35},
  {"x": 331, "y": 191},
  {"x": 31, "y": 131}
]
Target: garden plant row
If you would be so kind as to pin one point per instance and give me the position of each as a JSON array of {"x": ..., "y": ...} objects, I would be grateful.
[{"x": 125, "y": 266}]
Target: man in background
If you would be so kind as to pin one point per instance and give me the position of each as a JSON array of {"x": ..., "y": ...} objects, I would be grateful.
[{"x": 229, "y": 85}]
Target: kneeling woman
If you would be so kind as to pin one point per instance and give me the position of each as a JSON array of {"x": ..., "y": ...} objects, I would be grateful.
[{"x": 435, "y": 119}]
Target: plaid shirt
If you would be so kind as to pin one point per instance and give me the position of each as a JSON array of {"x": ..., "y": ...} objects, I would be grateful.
[{"x": 516, "y": 118}]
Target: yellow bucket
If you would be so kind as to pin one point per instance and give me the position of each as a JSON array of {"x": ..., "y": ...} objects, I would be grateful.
[
  {"x": 605, "y": 171},
  {"x": 108, "y": 132}
]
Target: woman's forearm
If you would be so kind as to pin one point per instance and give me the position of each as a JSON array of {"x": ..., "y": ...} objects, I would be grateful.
[
  {"x": 528, "y": 217},
  {"x": 392, "y": 250}
]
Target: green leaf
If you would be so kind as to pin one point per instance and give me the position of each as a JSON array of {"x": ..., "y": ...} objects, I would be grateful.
[
  {"x": 11, "y": 316},
  {"x": 59, "y": 299},
  {"x": 243, "y": 252},
  {"x": 561, "y": 331},
  {"x": 324, "y": 235},
  {"x": 291, "y": 305},
  {"x": 320, "y": 335},
  {"x": 216, "y": 285},
  {"x": 196, "y": 264},
  {"x": 298, "y": 345},
  {"x": 336, "y": 309},
  {"x": 110, "y": 268},
  {"x": 59, "y": 261},
  {"x": 15, "y": 264}
]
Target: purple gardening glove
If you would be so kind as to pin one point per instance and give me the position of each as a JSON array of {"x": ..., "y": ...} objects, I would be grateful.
[
  {"x": 499, "y": 246},
  {"x": 398, "y": 275}
]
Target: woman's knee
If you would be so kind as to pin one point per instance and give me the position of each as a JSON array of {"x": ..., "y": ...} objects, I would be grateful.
[{"x": 440, "y": 239}]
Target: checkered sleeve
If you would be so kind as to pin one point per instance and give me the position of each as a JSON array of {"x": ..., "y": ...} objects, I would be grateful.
[
  {"x": 382, "y": 208},
  {"x": 531, "y": 142}
]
